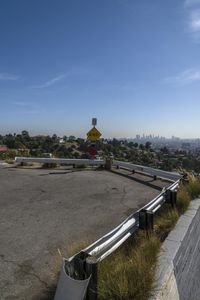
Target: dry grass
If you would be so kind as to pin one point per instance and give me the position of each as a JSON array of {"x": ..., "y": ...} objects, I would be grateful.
[
  {"x": 10, "y": 161},
  {"x": 48, "y": 293},
  {"x": 76, "y": 247},
  {"x": 183, "y": 198},
  {"x": 165, "y": 222},
  {"x": 129, "y": 272},
  {"x": 193, "y": 187},
  {"x": 49, "y": 165},
  {"x": 82, "y": 166},
  {"x": 24, "y": 165}
]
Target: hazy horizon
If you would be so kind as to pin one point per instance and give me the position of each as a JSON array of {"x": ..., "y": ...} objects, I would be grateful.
[{"x": 84, "y": 135}]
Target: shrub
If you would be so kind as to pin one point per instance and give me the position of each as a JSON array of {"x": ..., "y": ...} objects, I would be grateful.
[
  {"x": 49, "y": 165},
  {"x": 193, "y": 187},
  {"x": 25, "y": 164},
  {"x": 9, "y": 161},
  {"x": 166, "y": 222},
  {"x": 183, "y": 199},
  {"x": 128, "y": 273},
  {"x": 82, "y": 166}
]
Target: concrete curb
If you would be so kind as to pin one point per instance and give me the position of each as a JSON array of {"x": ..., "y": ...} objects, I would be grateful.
[{"x": 166, "y": 274}]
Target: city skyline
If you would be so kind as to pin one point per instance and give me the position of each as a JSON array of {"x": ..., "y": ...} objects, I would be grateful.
[
  {"x": 143, "y": 137},
  {"x": 134, "y": 66}
]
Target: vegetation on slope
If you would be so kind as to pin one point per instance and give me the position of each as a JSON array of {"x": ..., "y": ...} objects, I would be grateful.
[
  {"x": 164, "y": 156},
  {"x": 129, "y": 272}
]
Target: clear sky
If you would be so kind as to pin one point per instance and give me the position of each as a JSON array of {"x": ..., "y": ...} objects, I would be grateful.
[{"x": 133, "y": 64}]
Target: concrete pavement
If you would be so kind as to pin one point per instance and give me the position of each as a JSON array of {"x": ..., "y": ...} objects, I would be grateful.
[{"x": 43, "y": 210}]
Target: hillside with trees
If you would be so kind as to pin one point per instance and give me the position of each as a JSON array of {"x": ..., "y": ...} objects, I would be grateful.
[{"x": 23, "y": 144}]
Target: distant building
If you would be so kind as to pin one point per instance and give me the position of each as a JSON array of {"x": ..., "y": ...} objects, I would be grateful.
[
  {"x": 3, "y": 148},
  {"x": 186, "y": 146},
  {"x": 175, "y": 138},
  {"x": 62, "y": 141}
]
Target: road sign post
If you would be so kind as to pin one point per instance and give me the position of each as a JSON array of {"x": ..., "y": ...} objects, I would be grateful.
[
  {"x": 94, "y": 121},
  {"x": 93, "y": 135}
]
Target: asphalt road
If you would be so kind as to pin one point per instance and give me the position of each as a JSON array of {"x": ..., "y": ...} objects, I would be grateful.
[{"x": 43, "y": 210}]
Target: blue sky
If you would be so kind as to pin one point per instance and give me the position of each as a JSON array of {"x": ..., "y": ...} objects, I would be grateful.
[{"x": 135, "y": 65}]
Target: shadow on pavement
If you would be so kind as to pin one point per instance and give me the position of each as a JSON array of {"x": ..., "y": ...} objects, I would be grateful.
[{"x": 147, "y": 183}]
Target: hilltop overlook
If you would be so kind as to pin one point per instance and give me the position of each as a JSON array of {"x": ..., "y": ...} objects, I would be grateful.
[{"x": 167, "y": 155}]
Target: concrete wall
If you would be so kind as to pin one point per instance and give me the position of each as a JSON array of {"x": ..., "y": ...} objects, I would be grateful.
[{"x": 178, "y": 272}]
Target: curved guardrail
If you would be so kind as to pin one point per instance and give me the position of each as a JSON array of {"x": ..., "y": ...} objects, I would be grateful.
[
  {"x": 82, "y": 267},
  {"x": 172, "y": 176},
  {"x": 79, "y": 273}
]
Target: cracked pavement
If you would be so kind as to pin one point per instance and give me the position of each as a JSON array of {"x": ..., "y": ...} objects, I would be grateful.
[{"x": 46, "y": 210}]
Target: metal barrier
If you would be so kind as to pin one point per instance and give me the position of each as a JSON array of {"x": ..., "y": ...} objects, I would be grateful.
[
  {"x": 78, "y": 277},
  {"x": 84, "y": 264},
  {"x": 146, "y": 214},
  {"x": 171, "y": 176},
  {"x": 62, "y": 161}
]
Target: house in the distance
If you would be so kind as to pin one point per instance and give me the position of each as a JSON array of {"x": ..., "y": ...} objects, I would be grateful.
[{"x": 3, "y": 149}]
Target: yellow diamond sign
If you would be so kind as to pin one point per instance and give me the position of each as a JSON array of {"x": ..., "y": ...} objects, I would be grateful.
[{"x": 93, "y": 134}]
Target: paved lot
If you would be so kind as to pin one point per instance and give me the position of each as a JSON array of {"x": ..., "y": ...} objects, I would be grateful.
[{"x": 43, "y": 210}]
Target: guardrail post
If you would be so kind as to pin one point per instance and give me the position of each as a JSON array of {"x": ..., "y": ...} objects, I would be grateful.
[
  {"x": 171, "y": 197},
  {"x": 149, "y": 217},
  {"x": 146, "y": 220},
  {"x": 168, "y": 196},
  {"x": 108, "y": 164},
  {"x": 142, "y": 219},
  {"x": 92, "y": 270}
]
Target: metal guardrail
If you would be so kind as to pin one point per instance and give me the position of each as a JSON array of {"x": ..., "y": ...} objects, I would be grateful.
[
  {"x": 111, "y": 241},
  {"x": 146, "y": 214},
  {"x": 79, "y": 273},
  {"x": 83, "y": 265},
  {"x": 172, "y": 176},
  {"x": 62, "y": 161}
]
